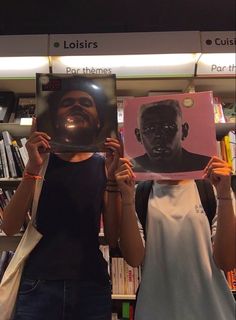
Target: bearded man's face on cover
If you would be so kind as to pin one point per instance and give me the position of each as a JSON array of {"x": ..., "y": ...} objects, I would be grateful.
[{"x": 77, "y": 118}]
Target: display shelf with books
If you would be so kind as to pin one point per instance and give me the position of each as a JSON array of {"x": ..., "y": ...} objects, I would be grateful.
[
  {"x": 24, "y": 110},
  {"x": 13, "y": 155}
]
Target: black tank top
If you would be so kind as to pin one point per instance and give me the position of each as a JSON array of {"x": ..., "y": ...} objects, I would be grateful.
[{"x": 68, "y": 216}]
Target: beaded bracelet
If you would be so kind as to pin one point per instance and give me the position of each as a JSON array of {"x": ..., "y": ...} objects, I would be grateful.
[{"x": 30, "y": 176}]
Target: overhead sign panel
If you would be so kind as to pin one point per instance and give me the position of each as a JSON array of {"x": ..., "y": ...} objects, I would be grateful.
[
  {"x": 23, "y": 45},
  {"x": 124, "y": 43},
  {"x": 218, "y": 42},
  {"x": 21, "y": 56},
  {"x": 218, "y": 54}
]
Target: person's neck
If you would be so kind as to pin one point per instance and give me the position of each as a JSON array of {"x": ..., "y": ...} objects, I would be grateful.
[{"x": 75, "y": 157}]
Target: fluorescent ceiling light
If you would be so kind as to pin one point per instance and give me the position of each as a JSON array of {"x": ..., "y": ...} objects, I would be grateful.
[
  {"x": 144, "y": 60},
  {"x": 22, "y": 63}
]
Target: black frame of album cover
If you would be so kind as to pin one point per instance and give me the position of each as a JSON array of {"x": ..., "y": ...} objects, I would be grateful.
[{"x": 65, "y": 131}]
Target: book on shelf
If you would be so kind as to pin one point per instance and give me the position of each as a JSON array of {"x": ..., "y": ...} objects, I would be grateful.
[
  {"x": 114, "y": 275},
  {"x": 7, "y": 105},
  {"x": 125, "y": 279},
  {"x": 7, "y": 139},
  {"x": 1, "y": 167},
  {"x": 232, "y": 146},
  {"x": 226, "y": 149},
  {"x": 127, "y": 310},
  {"x": 219, "y": 116},
  {"x": 25, "y": 109},
  {"x": 121, "y": 278},
  {"x": 13, "y": 156},
  {"x": 4, "y": 198},
  {"x": 23, "y": 151},
  {"x": 231, "y": 278},
  {"x": 5, "y": 170},
  {"x": 20, "y": 166},
  {"x": 229, "y": 110}
]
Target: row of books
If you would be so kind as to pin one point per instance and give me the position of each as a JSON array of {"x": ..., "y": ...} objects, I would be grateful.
[
  {"x": 5, "y": 196},
  {"x": 13, "y": 156},
  {"x": 226, "y": 113},
  {"x": 231, "y": 278},
  {"x": 16, "y": 108},
  {"x": 227, "y": 149},
  {"x": 125, "y": 279},
  {"x": 123, "y": 312}
]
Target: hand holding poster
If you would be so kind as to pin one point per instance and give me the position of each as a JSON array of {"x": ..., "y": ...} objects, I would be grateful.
[
  {"x": 78, "y": 112},
  {"x": 170, "y": 136}
]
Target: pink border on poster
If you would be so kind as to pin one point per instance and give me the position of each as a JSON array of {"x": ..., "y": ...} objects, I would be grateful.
[{"x": 201, "y": 137}]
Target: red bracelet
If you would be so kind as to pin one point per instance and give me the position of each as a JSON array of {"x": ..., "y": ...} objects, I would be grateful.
[{"x": 31, "y": 176}]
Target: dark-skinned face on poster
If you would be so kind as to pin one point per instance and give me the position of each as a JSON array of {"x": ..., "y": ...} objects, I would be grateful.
[{"x": 169, "y": 136}]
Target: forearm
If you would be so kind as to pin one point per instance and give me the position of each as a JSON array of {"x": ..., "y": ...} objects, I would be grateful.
[
  {"x": 15, "y": 212},
  {"x": 224, "y": 249},
  {"x": 131, "y": 243},
  {"x": 111, "y": 217}
]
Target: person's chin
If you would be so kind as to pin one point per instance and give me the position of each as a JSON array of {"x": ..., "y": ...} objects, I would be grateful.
[{"x": 78, "y": 137}]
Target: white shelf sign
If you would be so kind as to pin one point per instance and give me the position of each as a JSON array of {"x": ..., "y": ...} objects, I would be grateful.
[
  {"x": 222, "y": 64},
  {"x": 148, "y": 65}
]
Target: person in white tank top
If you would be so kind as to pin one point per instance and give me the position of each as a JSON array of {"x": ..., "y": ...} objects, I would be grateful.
[{"x": 182, "y": 259}]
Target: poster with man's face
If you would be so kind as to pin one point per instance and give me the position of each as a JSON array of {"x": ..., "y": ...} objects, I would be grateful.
[
  {"x": 78, "y": 112},
  {"x": 170, "y": 136}
]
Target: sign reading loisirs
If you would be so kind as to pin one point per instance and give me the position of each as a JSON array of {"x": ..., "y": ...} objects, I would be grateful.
[{"x": 124, "y": 43}]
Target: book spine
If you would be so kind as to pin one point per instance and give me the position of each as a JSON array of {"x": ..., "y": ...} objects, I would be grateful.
[
  {"x": 17, "y": 158},
  {"x": 11, "y": 163},
  {"x": 4, "y": 159},
  {"x": 130, "y": 280},
  {"x": 120, "y": 275},
  {"x": 1, "y": 167},
  {"x": 114, "y": 276}
]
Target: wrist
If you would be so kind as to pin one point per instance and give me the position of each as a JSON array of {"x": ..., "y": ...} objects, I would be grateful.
[
  {"x": 229, "y": 198},
  {"x": 111, "y": 178},
  {"x": 224, "y": 195},
  {"x": 30, "y": 176},
  {"x": 128, "y": 200},
  {"x": 112, "y": 186},
  {"x": 34, "y": 170},
  {"x": 128, "y": 203}
]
